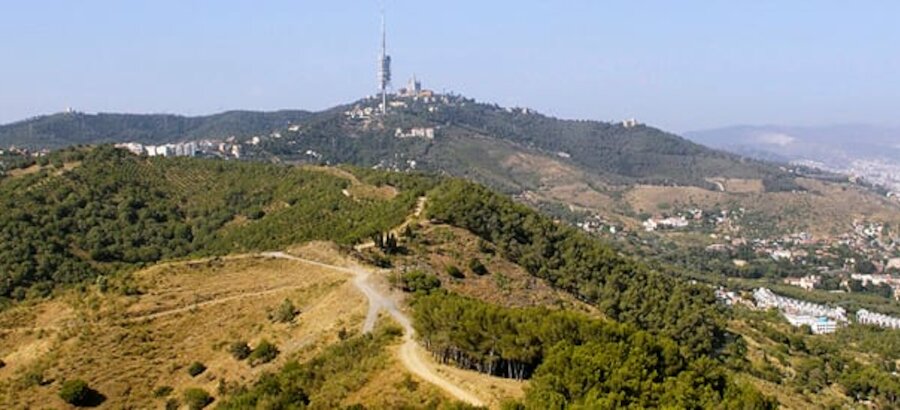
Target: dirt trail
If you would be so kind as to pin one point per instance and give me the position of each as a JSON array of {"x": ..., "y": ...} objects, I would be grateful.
[
  {"x": 211, "y": 302},
  {"x": 411, "y": 355}
]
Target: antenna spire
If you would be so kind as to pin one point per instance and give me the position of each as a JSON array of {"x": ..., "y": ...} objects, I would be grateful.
[{"x": 384, "y": 67}]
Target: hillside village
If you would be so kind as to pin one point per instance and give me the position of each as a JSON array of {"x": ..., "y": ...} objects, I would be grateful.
[{"x": 820, "y": 318}]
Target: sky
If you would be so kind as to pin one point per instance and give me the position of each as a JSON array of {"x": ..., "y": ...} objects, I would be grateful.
[{"x": 678, "y": 65}]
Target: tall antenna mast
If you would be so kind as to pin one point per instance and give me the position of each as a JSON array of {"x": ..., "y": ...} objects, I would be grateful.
[{"x": 384, "y": 73}]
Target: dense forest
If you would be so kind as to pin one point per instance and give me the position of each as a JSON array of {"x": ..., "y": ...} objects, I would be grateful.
[
  {"x": 95, "y": 211},
  {"x": 624, "y": 290},
  {"x": 574, "y": 360}
]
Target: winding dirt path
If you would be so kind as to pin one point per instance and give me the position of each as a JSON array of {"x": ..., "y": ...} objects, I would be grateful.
[{"x": 413, "y": 357}]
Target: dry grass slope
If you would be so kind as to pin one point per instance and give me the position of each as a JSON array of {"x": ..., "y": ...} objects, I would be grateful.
[{"x": 127, "y": 346}]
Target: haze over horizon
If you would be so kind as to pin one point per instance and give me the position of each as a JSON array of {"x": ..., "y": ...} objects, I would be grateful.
[{"x": 679, "y": 66}]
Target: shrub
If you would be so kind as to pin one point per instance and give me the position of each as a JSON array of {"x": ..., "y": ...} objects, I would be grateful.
[
  {"x": 255, "y": 213},
  {"x": 32, "y": 377},
  {"x": 162, "y": 391},
  {"x": 196, "y": 368},
  {"x": 418, "y": 281},
  {"x": 2, "y": 364},
  {"x": 484, "y": 246},
  {"x": 477, "y": 267},
  {"x": 285, "y": 313},
  {"x": 196, "y": 398},
  {"x": 75, "y": 392},
  {"x": 343, "y": 334},
  {"x": 172, "y": 404},
  {"x": 264, "y": 352},
  {"x": 454, "y": 272},
  {"x": 239, "y": 350},
  {"x": 391, "y": 330}
]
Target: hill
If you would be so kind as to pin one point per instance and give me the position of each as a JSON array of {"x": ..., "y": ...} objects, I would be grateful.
[
  {"x": 121, "y": 269},
  {"x": 96, "y": 211},
  {"x": 617, "y": 152},
  {"x": 74, "y": 128},
  {"x": 586, "y": 167}
]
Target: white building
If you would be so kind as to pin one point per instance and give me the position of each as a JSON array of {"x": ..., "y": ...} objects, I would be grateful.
[
  {"x": 866, "y": 279},
  {"x": 819, "y": 325},
  {"x": 877, "y": 319},
  {"x": 671, "y": 222},
  {"x": 820, "y": 318},
  {"x": 418, "y": 132},
  {"x": 630, "y": 123},
  {"x": 807, "y": 282},
  {"x": 780, "y": 254},
  {"x": 893, "y": 263},
  {"x": 135, "y": 148}
]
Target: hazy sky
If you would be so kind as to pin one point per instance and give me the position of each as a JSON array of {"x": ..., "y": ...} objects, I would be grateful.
[{"x": 679, "y": 65}]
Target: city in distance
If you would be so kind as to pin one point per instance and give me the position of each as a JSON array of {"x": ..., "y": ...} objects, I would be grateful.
[{"x": 475, "y": 206}]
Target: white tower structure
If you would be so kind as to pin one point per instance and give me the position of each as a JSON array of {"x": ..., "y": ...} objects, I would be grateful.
[{"x": 384, "y": 67}]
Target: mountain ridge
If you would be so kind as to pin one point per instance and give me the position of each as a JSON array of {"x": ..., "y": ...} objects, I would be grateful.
[{"x": 618, "y": 152}]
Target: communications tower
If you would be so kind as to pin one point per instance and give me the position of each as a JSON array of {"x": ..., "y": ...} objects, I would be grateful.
[{"x": 384, "y": 67}]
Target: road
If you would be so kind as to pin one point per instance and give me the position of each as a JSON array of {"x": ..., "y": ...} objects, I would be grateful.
[{"x": 413, "y": 357}]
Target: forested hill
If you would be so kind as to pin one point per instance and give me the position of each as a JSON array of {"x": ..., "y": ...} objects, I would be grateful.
[
  {"x": 637, "y": 151},
  {"x": 84, "y": 213},
  {"x": 471, "y": 139},
  {"x": 74, "y": 128}
]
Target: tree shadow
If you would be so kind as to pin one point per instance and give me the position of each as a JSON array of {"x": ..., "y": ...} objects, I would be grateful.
[{"x": 92, "y": 398}]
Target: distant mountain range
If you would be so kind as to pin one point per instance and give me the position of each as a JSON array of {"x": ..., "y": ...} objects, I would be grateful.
[{"x": 872, "y": 152}]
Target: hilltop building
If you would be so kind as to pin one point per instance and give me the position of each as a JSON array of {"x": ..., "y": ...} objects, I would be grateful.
[
  {"x": 630, "y": 123},
  {"x": 415, "y": 91}
]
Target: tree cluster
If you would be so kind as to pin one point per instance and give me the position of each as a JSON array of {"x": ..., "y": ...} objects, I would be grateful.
[
  {"x": 572, "y": 359},
  {"x": 623, "y": 289}
]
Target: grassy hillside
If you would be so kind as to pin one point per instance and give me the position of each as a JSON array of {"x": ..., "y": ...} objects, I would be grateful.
[{"x": 93, "y": 212}]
